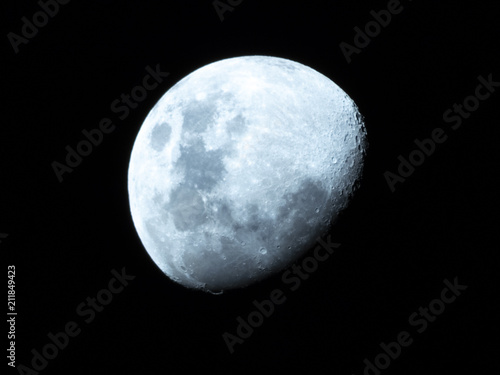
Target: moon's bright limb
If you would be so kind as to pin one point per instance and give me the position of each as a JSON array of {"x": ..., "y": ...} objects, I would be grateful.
[{"x": 239, "y": 167}]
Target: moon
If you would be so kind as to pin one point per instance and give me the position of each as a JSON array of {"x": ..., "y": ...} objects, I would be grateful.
[{"x": 240, "y": 167}]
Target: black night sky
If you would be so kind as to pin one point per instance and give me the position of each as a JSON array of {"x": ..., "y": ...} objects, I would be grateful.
[{"x": 432, "y": 71}]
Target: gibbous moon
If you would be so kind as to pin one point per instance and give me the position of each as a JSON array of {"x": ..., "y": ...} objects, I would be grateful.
[{"x": 239, "y": 168}]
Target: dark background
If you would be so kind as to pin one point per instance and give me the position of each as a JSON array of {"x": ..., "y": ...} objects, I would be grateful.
[{"x": 396, "y": 248}]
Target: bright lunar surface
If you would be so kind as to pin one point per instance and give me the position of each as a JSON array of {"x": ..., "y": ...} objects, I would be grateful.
[{"x": 240, "y": 167}]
